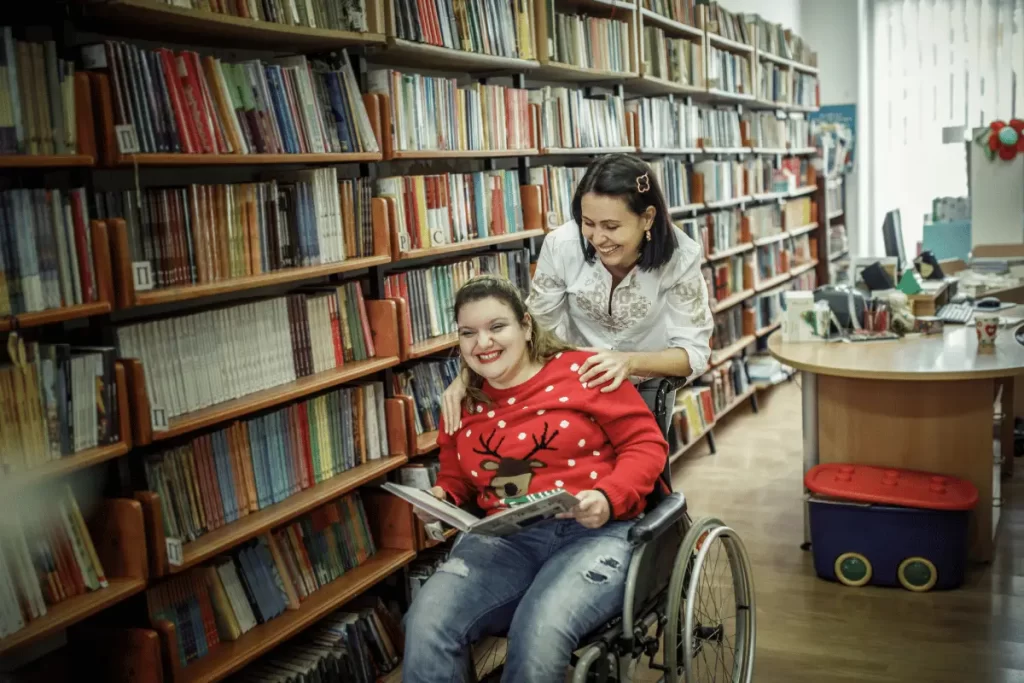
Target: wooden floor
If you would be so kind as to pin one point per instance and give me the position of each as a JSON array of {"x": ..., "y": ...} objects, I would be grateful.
[{"x": 813, "y": 631}]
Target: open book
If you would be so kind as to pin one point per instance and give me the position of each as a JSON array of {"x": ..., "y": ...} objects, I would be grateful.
[{"x": 522, "y": 511}]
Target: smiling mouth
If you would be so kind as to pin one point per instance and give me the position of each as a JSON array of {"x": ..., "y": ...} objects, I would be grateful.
[
  {"x": 607, "y": 251},
  {"x": 489, "y": 357}
]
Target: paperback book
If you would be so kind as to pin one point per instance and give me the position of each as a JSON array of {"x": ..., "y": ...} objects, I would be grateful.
[{"x": 522, "y": 510}]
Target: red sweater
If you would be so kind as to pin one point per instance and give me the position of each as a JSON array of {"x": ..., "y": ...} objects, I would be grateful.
[{"x": 550, "y": 432}]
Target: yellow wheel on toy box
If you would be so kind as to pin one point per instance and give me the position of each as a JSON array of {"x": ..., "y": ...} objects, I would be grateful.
[
  {"x": 853, "y": 569},
  {"x": 917, "y": 574}
]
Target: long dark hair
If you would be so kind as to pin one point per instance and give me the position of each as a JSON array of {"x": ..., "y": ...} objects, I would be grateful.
[
  {"x": 543, "y": 344},
  {"x": 622, "y": 176}
]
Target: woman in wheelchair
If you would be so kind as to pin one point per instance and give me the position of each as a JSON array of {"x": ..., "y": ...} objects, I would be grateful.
[
  {"x": 529, "y": 425},
  {"x": 621, "y": 279}
]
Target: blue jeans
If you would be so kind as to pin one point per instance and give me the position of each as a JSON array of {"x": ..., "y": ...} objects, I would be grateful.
[{"x": 548, "y": 586}]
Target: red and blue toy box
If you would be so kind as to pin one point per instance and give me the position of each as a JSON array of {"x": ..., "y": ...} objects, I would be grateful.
[{"x": 889, "y": 527}]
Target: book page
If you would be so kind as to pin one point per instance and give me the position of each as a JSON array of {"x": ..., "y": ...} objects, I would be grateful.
[{"x": 441, "y": 509}]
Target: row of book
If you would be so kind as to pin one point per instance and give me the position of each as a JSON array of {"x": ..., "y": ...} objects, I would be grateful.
[
  {"x": 767, "y": 130},
  {"x": 773, "y": 83},
  {"x": 570, "y": 119},
  {"x": 424, "y": 383},
  {"x": 492, "y": 27},
  {"x": 729, "y": 72},
  {"x": 435, "y": 113},
  {"x": 337, "y": 15},
  {"x": 357, "y": 644},
  {"x": 804, "y": 249},
  {"x": 730, "y": 25},
  {"x": 38, "y": 112},
  {"x": 767, "y": 308},
  {"x": 764, "y": 220},
  {"x": 666, "y": 123},
  {"x": 771, "y": 261},
  {"x": 453, "y": 208},
  {"x": 729, "y": 328},
  {"x": 674, "y": 177},
  {"x": 589, "y": 42},
  {"x": 773, "y": 39},
  {"x": 190, "y": 104},
  {"x": 558, "y": 185},
  {"x": 47, "y": 556},
  {"x": 799, "y": 212},
  {"x": 674, "y": 59},
  {"x": 724, "y": 180},
  {"x": 259, "y": 580},
  {"x": 683, "y": 11},
  {"x": 725, "y": 277},
  {"x": 55, "y": 400},
  {"x": 200, "y": 234},
  {"x": 805, "y": 90},
  {"x": 694, "y": 414},
  {"x": 430, "y": 292},
  {"x": 46, "y": 251},
  {"x": 220, "y": 477},
  {"x": 727, "y": 382},
  {"x": 201, "y": 359}
]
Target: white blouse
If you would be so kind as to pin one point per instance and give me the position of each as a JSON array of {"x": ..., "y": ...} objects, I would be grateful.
[{"x": 649, "y": 310}]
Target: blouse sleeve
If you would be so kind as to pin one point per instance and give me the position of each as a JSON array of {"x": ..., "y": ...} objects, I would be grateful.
[
  {"x": 547, "y": 302},
  {"x": 688, "y": 318}
]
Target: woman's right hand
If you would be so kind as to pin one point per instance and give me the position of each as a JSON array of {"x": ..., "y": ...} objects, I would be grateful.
[
  {"x": 426, "y": 517},
  {"x": 451, "y": 405}
]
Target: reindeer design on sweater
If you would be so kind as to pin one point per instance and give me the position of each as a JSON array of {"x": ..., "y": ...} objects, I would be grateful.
[{"x": 512, "y": 476}]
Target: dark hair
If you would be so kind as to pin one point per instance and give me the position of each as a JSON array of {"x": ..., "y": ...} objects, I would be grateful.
[
  {"x": 621, "y": 175},
  {"x": 543, "y": 344}
]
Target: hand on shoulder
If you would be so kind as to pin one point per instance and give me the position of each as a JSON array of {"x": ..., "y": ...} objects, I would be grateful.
[{"x": 605, "y": 369}]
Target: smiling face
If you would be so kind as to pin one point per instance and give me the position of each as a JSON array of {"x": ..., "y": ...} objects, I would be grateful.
[
  {"x": 615, "y": 232},
  {"x": 493, "y": 342}
]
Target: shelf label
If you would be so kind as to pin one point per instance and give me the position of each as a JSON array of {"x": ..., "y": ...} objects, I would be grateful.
[
  {"x": 142, "y": 274},
  {"x": 127, "y": 140},
  {"x": 552, "y": 219},
  {"x": 404, "y": 242},
  {"x": 158, "y": 416},
  {"x": 175, "y": 554}
]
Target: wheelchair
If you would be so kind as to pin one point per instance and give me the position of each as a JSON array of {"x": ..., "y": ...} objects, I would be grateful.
[{"x": 703, "y": 625}]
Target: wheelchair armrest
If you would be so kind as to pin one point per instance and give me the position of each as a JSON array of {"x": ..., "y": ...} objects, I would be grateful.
[{"x": 668, "y": 512}]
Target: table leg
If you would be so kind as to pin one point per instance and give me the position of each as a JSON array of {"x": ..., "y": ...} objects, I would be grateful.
[{"x": 809, "y": 394}]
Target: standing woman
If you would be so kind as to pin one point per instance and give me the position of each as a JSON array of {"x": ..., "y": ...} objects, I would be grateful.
[{"x": 619, "y": 279}]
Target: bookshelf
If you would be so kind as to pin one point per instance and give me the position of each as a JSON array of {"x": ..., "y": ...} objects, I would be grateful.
[{"x": 697, "y": 119}]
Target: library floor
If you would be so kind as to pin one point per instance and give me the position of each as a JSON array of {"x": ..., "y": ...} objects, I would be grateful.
[{"x": 812, "y": 631}]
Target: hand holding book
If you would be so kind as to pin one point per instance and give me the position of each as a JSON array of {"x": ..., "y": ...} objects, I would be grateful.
[{"x": 593, "y": 510}]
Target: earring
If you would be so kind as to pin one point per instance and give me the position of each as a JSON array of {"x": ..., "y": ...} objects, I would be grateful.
[{"x": 648, "y": 235}]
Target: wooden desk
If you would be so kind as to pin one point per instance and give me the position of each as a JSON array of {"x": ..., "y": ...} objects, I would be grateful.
[{"x": 922, "y": 403}]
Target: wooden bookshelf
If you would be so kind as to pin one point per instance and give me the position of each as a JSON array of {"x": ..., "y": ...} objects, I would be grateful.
[
  {"x": 803, "y": 229},
  {"x": 772, "y": 282},
  {"x": 46, "y": 160},
  {"x": 392, "y": 525},
  {"x": 469, "y": 245},
  {"x": 229, "y": 657},
  {"x": 399, "y": 52},
  {"x": 128, "y": 297},
  {"x": 735, "y": 402},
  {"x": 130, "y": 160},
  {"x": 11, "y": 483},
  {"x": 118, "y": 534},
  {"x": 259, "y": 522},
  {"x": 426, "y": 442},
  {"x": 382, "y": 319},
  {"x": 157, "y": 19},
  {"x": 718, "y": 255},
  {"x": 730, "y": 301}
]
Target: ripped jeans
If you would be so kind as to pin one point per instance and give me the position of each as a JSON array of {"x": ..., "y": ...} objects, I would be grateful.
[{"x": 548, "y": 586}]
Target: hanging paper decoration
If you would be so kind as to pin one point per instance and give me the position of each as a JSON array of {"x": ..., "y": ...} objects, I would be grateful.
[{"x": 1004, "y": 139}]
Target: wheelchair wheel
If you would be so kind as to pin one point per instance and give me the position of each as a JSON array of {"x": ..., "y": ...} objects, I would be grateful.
[{"x": 711, "y": 636}]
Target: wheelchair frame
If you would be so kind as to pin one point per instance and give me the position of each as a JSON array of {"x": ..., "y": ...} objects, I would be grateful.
[{"x": 668, "y": 556}]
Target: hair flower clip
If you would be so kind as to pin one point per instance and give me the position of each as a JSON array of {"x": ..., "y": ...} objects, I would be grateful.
[{"x": 643, "y": 183}]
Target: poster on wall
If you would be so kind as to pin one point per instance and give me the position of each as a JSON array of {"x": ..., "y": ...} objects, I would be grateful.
[{"x": 834, "y": 129}]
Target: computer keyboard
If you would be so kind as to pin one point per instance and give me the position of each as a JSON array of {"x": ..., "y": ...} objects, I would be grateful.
[{"x": 957, "y": 314}]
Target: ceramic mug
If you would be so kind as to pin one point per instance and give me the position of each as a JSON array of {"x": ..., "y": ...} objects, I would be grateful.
[{"x": 986, "y": 326}]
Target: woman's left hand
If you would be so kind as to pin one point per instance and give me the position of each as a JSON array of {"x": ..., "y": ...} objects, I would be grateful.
[
  {"x": 592, "y": 511},
  {"x": 606, "y": 366}
]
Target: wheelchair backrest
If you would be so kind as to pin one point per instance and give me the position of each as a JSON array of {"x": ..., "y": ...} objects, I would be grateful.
[{"x": 660, "y": 395}]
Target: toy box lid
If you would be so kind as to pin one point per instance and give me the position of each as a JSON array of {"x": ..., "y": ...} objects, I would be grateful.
[{"x": 891, "y": 486}]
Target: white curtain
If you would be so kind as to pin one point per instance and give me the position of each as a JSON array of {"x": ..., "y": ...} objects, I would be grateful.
[{"x": 934, "y": 64}]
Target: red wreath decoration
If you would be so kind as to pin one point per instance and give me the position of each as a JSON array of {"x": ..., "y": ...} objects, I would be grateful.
[{"x": 1006, "y": 139}]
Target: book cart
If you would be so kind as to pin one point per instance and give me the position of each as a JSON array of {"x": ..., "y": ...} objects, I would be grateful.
[{"x": 234, "y": 229}]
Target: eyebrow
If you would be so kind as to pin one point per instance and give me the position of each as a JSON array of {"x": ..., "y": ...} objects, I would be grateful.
[
  {"x": 607, "y": 220},
  {"x": 499, "y": 319}
]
